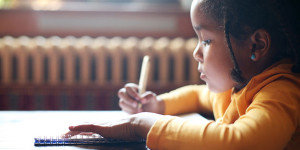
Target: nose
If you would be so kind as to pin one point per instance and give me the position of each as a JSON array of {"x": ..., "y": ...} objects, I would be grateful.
[{"x": 198, "y": 54}]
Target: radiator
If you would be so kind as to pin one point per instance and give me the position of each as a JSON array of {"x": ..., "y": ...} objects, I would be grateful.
[{"x": 55, "y": 62}]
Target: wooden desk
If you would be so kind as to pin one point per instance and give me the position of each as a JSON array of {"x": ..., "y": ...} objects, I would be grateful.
[{"x": 18, "y": 128}]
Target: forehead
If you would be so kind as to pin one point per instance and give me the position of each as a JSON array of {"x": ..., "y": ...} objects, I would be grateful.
[{"x": 200, "y": 19}]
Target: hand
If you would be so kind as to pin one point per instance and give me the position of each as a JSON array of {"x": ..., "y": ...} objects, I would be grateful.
[
  {"x": 135, "y": 127},
  {"x": 130, "y": 99}
]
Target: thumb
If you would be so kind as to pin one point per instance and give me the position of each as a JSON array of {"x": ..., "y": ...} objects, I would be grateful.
[{"x": 148, "y": 97}]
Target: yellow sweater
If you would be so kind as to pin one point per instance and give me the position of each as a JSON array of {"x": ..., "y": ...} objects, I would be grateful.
[{"x": 264, "y": 115}]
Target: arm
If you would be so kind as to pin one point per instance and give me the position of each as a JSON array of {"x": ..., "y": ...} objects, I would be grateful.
[
  {"x": 256, "y": 130},
  {"x": 187, "y": 99},
  {"x": 268, "y": 123}
]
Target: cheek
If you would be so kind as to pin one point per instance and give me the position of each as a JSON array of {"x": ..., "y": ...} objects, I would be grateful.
[
  {"x": 216, "y": 61},
  {"x": 217, "y": 66},
  {"x": 217, "y": 69}
]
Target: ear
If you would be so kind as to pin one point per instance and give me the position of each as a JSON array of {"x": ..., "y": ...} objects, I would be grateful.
[{"x": 261, "y": 41}]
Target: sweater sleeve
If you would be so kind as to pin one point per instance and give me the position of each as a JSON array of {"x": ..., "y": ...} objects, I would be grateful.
[
  {"x": 191, "y": 98},
  {"x": 268, "y": 123}
]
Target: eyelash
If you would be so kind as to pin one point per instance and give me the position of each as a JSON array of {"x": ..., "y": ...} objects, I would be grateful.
[{"x": 206, "y": 42}]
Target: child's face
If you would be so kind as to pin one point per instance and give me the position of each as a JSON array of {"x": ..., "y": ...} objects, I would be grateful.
[{"x": 211, "y": 53}]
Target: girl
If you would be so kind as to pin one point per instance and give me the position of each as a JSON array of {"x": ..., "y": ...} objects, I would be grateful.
[{"x": 248, "y": 55}]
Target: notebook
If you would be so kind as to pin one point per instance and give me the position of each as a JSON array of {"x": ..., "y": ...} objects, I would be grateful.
[{"x": 80, "y": 140}]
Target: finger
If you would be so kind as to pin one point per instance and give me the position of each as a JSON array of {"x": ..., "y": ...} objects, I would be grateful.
[
  {"x": 105, "y": 129},
  {"x": 132, "y": 92},
  {"x": 147, "y": 97},
  {"x": 70, "y": 134},
  {"x": 122, "y": 93},
  {"x": 128, "y": 100},
  {"x": 87, "y": 133},
  {"x": 132, "y": 85},
  {"x": 128, "y": 107},
  {"x": 85, "y": 128}
]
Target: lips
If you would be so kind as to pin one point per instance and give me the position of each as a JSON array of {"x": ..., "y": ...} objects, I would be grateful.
[{"x": 202, "y": 76}]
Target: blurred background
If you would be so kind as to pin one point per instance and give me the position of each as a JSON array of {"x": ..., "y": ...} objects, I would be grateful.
[{"x": 76, "y": 54}]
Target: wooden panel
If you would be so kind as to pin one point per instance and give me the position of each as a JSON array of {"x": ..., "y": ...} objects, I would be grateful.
[{"x": 96, "y": 23}]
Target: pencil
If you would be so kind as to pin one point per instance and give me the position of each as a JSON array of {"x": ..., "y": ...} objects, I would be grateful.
[{"x": 144, "y": 76}]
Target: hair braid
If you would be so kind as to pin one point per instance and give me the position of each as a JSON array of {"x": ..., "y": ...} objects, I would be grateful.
[{"x": 236, "y": 71}]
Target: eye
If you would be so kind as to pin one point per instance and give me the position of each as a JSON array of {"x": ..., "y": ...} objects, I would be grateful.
[{"x": 206, "y": 42}]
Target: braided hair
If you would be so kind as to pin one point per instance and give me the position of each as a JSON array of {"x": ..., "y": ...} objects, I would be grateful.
[{"x": 240, "y": 18}]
